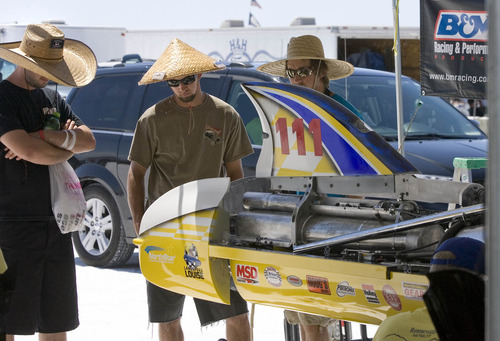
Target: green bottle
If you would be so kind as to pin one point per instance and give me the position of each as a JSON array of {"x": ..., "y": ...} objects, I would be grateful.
[{"x": 52, "y": 122}]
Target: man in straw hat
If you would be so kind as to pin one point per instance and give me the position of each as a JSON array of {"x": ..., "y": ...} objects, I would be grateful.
[
  {"x": 40, "y": 280},
  {"x": 456, "y": 268},
  {"x": 306, "y": 65},
  {"x": 185, "y": 137}
]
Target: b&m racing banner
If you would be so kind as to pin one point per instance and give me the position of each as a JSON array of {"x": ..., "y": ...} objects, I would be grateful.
[{"x": 453, "y": 48}]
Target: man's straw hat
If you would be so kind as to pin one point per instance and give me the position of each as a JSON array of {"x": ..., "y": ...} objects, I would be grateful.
[
  {"x": 46, "y": 52},
  {"x": 177, "y": 61},
  {"x": 308, "y": 47}
]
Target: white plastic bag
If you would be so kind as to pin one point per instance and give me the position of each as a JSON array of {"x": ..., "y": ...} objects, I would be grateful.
[{"x": 68, "y": 202}]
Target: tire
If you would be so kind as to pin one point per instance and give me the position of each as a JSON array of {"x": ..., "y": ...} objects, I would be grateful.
[{"x": 101, "y": 241}]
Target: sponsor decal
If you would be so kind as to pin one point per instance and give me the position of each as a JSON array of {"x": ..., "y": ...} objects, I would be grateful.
[
  {"x": 247, "y": 274},
  {"x": 160, "y": 255},
  {"x": 213, "y": 134},
  {"x": 192, "y": 268},
  {"x": 414, "y": 291},
  {"x": 370, "y": 293},
  {"x": 318, "y": 285},
  {"x": 454, "y": 48},
  {"x": 273, "y": 276},
  {"x": 343, "y": 289},
  {"x": 461, "y": 25},
  {"x": 294, "y": 280},
  {"x": 391, "y": 297}
]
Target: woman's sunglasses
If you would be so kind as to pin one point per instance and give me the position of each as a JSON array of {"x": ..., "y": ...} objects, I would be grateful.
[
  {"x": 186, "y": 81},
  {"x": 302, "y": 72}
]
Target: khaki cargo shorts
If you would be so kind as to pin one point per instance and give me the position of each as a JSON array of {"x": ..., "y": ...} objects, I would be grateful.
[{"x": 294, "y": 317}]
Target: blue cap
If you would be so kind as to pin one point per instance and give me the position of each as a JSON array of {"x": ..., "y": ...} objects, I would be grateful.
[{"x": 465, "y": 252}]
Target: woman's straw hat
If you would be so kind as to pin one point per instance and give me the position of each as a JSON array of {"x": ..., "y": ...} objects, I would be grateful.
[
  {"x": 308, "y": 47},
  {"x": 46, "y": 52},
  {"x": 179, "y": 60}
]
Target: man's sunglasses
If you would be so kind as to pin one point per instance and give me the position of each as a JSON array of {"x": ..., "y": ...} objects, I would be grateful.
[
  {"x": 186, "y": 81},
  {"x": 302, "y": 72}
]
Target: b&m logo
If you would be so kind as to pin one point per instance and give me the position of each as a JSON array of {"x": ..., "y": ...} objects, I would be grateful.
[
  {"x": 247, "y": 274},
  {"x": 461, "y": 25}
]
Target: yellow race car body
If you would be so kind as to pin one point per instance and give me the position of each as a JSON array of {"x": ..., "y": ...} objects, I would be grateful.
[{"x": 299, "y": 236}]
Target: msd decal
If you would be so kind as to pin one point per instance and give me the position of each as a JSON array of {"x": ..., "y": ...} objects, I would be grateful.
[
  {"x": 247, "y": 274},
  {"x": 461, "y": 25}
]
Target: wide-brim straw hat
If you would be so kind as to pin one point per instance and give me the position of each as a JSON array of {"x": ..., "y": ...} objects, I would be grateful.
[
  {"x": 180, "y": 60},
  {"x": 45, "y": 51},
  {"x": 308, "y": 47}
]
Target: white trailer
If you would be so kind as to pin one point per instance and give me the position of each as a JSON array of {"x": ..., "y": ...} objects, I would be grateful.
[
  {"x": 106, "y": 42},
  {"x": 263, "y": 44}
]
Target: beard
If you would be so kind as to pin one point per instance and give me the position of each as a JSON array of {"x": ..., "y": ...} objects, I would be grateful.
[
  {"x": 187, "y": 99},
  {"x": 34, "y": 81}
]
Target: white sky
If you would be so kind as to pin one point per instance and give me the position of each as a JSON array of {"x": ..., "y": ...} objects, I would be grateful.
[{"x": 185, "y": 14}]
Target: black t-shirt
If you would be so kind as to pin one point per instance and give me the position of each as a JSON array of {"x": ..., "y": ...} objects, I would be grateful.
[{"x": 25, "y": 186}]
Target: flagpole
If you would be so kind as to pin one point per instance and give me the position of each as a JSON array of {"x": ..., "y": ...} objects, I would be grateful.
[{"x": 397, "y": 65}]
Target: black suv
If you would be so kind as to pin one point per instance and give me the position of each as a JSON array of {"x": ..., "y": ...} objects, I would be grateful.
[
  {"x": 112, "y": 103},
  {"x": 111, "y": 106}
]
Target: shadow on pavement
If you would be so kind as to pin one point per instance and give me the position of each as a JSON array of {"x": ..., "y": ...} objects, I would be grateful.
[{"x": 132, "y": 265}]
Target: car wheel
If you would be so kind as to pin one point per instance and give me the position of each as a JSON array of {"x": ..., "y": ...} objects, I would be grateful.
[{"x": 101, "y": 240}]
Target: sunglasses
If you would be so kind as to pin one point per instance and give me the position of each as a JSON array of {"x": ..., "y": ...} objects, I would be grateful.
[
  {"x": 302, "y": 72},
  {"x": 186, "y": 81}
]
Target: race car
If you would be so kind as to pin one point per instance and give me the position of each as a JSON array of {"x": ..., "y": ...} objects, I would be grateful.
[{"x": 335, "y": 222}]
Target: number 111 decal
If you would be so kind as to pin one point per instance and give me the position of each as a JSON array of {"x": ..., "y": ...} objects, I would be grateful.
[{"x": 298, "y": 130}]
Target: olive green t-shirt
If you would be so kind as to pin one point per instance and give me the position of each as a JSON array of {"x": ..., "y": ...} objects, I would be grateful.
[{"x": 180, "y": 145}]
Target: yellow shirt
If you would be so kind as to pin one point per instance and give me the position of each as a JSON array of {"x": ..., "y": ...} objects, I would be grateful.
[{"x": 412, "y": 325}]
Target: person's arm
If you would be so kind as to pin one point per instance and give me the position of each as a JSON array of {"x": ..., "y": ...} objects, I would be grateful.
[
  {"x": 84, "y": 139},
  {"x": 20, "y": 145},
  {"x": 136, "y": 192},
  {"x": 234, "y": 169}
]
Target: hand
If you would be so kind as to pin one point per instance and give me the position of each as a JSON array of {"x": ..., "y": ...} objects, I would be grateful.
[
  {"x": 69, "y": 125},
  {"x": 11, "y": 155}
]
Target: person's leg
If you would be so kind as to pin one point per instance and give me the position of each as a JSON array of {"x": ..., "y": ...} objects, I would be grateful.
[
  {"x": 235, "y": 314},
  {"x": 303, "y": 335},
  {"x": 52, "y": 337},
  {"x": 171, "y": 331},
  {"x": 314, "y": 333},
  {"x": 314, "y": 327},
  {"x": 24, "y": 248},
  {"x": 59, "y": 300},
  {"x": 238, "y": 328},
  {"x": 165, "y": 308}
]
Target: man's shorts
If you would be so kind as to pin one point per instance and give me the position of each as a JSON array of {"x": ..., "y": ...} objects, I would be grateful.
[
  {"x": 294, "y": 317},
  {"x": 38, "y": 290},
  {"x": 166, "y": 306}
]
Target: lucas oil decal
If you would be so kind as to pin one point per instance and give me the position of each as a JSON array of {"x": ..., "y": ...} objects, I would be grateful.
[{"x": 247, "y": 274}]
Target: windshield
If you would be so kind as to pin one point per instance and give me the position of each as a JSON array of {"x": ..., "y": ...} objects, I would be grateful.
[
  {"x": 426, "y": 116},
  {"x": 6, "y": 68}
]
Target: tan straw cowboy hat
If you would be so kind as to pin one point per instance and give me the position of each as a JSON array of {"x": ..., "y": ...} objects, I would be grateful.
[
  {"x": 308, "y": 47},
  {"x": 179, "y": 60},
  {"x": 46, "y": 52}
]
